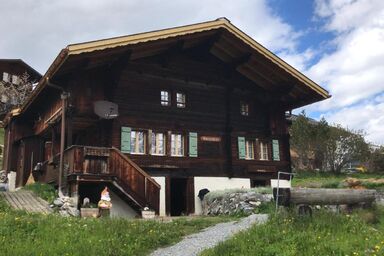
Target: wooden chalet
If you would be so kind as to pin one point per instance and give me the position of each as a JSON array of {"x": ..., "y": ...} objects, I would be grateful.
[{"x": 185, "y": 108}]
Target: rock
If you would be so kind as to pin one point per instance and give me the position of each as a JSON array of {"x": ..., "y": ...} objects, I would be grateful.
[
  {"x": 58, "y": 202},
  {"x": 234, "y": 203}
]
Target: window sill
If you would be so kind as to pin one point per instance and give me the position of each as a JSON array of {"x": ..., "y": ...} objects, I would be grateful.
[{"x": 133, "y": 153}]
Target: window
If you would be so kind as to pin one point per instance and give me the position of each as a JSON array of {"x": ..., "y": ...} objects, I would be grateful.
[
  {"x": 158, "y": 144},
  {"x": 177, "y": 145},
  {"x": 15, "y": 79},
  {"x": 244, "y": 109},
  {"x": 180, "y": 100},
  {"x": 249, "y": 152},
  {"x": 137, "y": 142},
  {"x": 165, "y": 98},
  {"x": 263, "y": 151},
  {"x": 6, "y": 77}
]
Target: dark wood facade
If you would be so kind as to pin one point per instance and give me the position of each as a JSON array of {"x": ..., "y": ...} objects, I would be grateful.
[{"x": 133, "y": 76}]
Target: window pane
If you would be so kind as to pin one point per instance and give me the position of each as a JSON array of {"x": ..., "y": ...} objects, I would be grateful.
[
  {"x": 141, "y": 142},
  {"x": 164, "y": 98},
  {"x": 160, "y": 146},
  {"x": 180, "y": 100},
  {"x": 244, "y": 109},
  {"x": 177, "y": 145},
  {"x": 133, "y": 141}
]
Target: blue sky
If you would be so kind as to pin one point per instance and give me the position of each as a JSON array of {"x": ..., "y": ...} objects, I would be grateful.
[{"x": 336, "y": 43}]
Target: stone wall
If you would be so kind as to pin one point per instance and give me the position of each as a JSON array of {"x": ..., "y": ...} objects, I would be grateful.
[{"x": 234, "y": 202}]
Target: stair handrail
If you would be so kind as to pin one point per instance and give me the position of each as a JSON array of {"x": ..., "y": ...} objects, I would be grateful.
[{"x": 146, "y": 175}]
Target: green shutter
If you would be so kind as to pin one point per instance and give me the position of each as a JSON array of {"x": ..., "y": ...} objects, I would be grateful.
[
  {"x": 275, "y": 150},
  {"x": 193, "y": 144},
  {"x": 241, "y": 143},
  {"x": 125, "y": 139}
]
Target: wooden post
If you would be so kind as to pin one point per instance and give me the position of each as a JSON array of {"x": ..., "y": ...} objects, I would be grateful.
[{"x": 64, "y": 97}]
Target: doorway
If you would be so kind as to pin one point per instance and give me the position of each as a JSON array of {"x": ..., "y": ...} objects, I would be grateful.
[{"x": 180, "y": 196}]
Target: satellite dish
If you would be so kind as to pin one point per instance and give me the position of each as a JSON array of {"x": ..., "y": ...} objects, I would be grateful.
[{"x": 106, "y": 109}]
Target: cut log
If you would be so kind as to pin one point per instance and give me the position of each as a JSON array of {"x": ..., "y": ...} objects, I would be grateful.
[{"x": 312, "y": 196}]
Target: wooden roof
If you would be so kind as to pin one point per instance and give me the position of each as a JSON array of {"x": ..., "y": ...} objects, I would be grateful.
[{"x": 228, "y": 43}]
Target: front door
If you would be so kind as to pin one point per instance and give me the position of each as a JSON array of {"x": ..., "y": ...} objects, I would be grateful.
[{"x": 180, "y": 196}]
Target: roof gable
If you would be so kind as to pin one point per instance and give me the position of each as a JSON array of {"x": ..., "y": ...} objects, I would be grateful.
[{"x": 230, "y": 44}]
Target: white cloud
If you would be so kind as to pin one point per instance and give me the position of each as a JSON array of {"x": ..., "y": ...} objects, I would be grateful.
[
  {"x": 354, "y": 71},
  {"x": 36, "y": 30},
  {"x": 368, "y": 116}
]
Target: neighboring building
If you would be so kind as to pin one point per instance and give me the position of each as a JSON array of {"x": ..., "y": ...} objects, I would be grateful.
[
  {"x": 177, "y": 110},
  {"x": 12, "y": 69}
]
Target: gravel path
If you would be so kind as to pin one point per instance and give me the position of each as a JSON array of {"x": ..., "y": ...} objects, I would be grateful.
[{"x": 210, "y": 237}]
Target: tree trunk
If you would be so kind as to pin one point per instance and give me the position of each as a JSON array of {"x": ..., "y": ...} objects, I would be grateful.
[{"x": 328, "y": 196}]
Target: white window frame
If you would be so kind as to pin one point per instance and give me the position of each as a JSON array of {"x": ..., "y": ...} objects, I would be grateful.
[
  {"x": 135, "y": 142},
  {"x": 264, "y": 151},
  {"x": 155, "y": 148},
  {"x": 244, "y": 109},
  {"x": 165, "y": 98},
  {"x": 180, "y": 100},
  {"x": 177, "y": 142},
  {"x": 6, "y": 77},
  {"x": 15, "y": 79},
  {"x": 249, "y": 150}
]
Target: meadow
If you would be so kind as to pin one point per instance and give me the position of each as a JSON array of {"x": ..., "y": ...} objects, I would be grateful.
[
  {"x": 24, "y": 233},
  {"x": 325, "y": 233}
]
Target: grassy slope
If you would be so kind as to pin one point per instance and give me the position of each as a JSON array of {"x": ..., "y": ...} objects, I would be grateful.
[
  {"x": 323, "y": 234},
  {"x": 1, "y": 143},
  {"x": 328, "y": 180},
  {"x": 35, "y": 234}
]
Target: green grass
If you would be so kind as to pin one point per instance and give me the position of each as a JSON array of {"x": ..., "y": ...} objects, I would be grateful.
[
  {"x": 329, "y": 180},
  {"x": 22, "y": 233},
  {"x": 361, "y": 233},
  {"x": 45, "y": 191},
  {"x": 1, "y": 143}
]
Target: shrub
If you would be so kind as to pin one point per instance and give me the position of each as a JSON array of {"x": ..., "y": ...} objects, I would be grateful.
[{"x": 45, "y": 191}]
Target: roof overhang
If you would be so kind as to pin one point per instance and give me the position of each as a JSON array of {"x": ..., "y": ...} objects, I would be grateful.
[{"x": 234, "y": 44}]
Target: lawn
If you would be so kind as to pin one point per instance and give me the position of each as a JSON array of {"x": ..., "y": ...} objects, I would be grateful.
[
  {"x": 361, "y": 233},
  {"x": 22, "y": 233},
  {"x": 329, "y": 180},
  {"x": 1, "y": 143}
]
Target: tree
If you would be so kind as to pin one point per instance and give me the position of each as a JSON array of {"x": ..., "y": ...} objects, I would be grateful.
[
  {"x": 13, "y": 95},
  {"x": 308, "y": 139},
  {"x": 376, "y": 161},
  {"x": 329, "y": 148},
  {"x": 344, "y": 146}
]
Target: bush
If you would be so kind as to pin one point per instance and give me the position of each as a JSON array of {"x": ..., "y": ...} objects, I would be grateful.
[{"x": 45, "y": 191}]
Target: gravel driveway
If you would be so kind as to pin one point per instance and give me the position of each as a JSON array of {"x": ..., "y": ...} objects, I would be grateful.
[{"x": 210, "y": 237}]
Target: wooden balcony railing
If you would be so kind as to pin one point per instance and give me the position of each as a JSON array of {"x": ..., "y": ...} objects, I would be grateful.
[{"x": 133, "y": 180}]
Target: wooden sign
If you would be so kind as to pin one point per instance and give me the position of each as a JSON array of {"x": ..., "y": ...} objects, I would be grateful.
[{"x": 210, "y": 138}]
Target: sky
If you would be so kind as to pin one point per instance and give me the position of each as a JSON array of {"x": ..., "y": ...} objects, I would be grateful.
[{"x": 339, "y": 44}]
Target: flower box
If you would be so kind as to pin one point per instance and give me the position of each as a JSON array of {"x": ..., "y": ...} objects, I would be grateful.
[
  {"x": 89, "y": 212},
  {"x": 148, "y": 214}
]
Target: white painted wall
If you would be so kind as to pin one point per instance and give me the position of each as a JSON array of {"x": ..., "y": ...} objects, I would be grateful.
[
  {"x": 161, "y": 181},
  {"x": 217, "y": 183},
  {"x": 120, "y": 209}
]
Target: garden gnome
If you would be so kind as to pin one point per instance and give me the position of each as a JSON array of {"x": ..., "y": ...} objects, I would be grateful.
[{"x": 105, "y": 203}]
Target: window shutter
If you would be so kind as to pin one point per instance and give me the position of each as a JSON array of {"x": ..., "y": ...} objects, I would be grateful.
[
  {"x": 126, "y": 139},
  {"x": 193, "y": 144},
  {"x": 241, "y": 144},
  {"x": 275, "y": 150}
]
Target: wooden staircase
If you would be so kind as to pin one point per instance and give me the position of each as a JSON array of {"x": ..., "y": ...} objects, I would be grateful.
[{"x": 111, "y": 165}]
